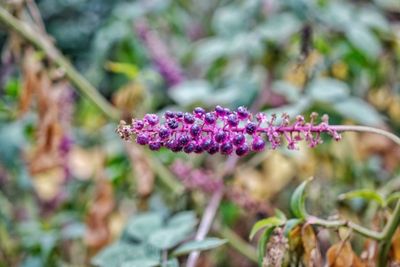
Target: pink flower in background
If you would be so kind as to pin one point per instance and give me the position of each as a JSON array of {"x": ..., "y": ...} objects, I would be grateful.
[{"x": 166, "y": 65}]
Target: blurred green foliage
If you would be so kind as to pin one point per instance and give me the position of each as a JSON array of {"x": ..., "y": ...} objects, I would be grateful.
[{"x": 335, "y": 57}]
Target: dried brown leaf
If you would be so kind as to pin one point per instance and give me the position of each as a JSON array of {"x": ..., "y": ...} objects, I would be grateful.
[
  {"x": 312, "y": 255},
  {"x": 396, "y": 246},
  {"x": 129, "y": 97},
  {"x": 31, "y": 71},
  {"x": 141, "y": 170},
  {"x": 98, "y": 233},
  {"x": 340, "y": 255}
]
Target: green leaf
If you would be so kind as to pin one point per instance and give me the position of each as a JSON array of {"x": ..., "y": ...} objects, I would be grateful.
[
  {"x": 129, "y": 70},
  {"x": 184, "y": 218},
  {"x": 298, "y": 199},
  {"x": 337, "y": 14},
  {"x": 392, "y": 197},
  {"x": 364, "y": 40},
  {"x": 280, "y": 27},
  {"x": 265, "y": 223},
  {"x": 117, "y": 253},
  {"x": 195, "y": 245},
  {"x": 141, "y": 263},
  {"x": 290, "y": 224},
  {"x": 167, "y": 238},
  {"x": 190, "y": 92},
  {"x": 328, "y": 90},
  {"x": 372, "y": 18},
  {"x": 247, "y": 43},
  {"x": 279, "y": 214},
  {"x": 210, "y": 49},
  {"x": 172, "y": 263},
  {"x": 228, "y": 21},
  {"x": 142, "y": 225},
  {"x": 262, "y": 244},
  {"x": 291, "y": 92},
  {"x": 367, "y": 194},
  {"x": 358, "y": 110}
]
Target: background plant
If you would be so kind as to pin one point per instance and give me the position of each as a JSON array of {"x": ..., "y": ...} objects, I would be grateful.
[{"x": 272, "y": 56}]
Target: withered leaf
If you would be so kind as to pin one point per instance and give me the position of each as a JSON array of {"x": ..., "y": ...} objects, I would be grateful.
[
  {"x": 142, "y": 169},
  {"x": 340, "y": 255},
  {"x": 312, "y": 255}
]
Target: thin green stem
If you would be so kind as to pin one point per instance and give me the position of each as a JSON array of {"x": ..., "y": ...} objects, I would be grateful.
[
  {"x": 166, "y": 177},
  {"x": 343, "y": 223},
  {"x": 367, "y": 129},
  {"x": 387, "y": 235},
  {"x": 43, "y": 43},
  {"x": 237, "y": 243}
]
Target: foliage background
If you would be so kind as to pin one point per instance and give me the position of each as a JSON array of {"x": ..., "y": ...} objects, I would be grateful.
[{"x": 68, "y": 185}]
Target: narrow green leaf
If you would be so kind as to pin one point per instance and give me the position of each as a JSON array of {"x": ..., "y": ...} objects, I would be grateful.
[
  {"x": 208, "y": 243},
  {"x": 367, "y": 194},
  {"x": 392, "y": 197},
  {"x": 129, "y": 70},
  {"x": 268, "y": 222},
  {"x": 262, "y": 244},
  {"x": 298, "y": 199}
]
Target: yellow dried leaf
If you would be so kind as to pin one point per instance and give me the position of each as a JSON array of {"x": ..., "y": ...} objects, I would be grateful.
[
  {"x": 48, "y": 184},
  {"x": 84, "y": 163},
  {"x": 340, "y": 70}
]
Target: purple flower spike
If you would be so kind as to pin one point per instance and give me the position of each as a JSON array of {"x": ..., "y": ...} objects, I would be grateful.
[{"x": 224, "y": 131}]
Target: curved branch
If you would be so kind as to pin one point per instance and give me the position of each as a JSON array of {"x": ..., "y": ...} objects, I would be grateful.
[
  {"x": 366, "y": 129},
  {"x": 44, "y": 44},
  {"x": 343, "y": 223}
]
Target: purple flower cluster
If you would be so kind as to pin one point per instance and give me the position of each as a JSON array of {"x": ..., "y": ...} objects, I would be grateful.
[{"x": 223, "y": 131}]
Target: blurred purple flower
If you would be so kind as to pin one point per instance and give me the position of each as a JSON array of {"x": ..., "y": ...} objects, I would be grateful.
[
  {"x": 204, "y": 180},
  {"x": 244, "y": 200},
  {"x": 223, "y": 131},
  {"x": 166, "y": 65},
  {"x": 195, "y": 179}
]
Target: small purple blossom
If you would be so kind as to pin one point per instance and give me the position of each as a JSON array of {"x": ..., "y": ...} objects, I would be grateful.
[{"x": 224, "y": 131}]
